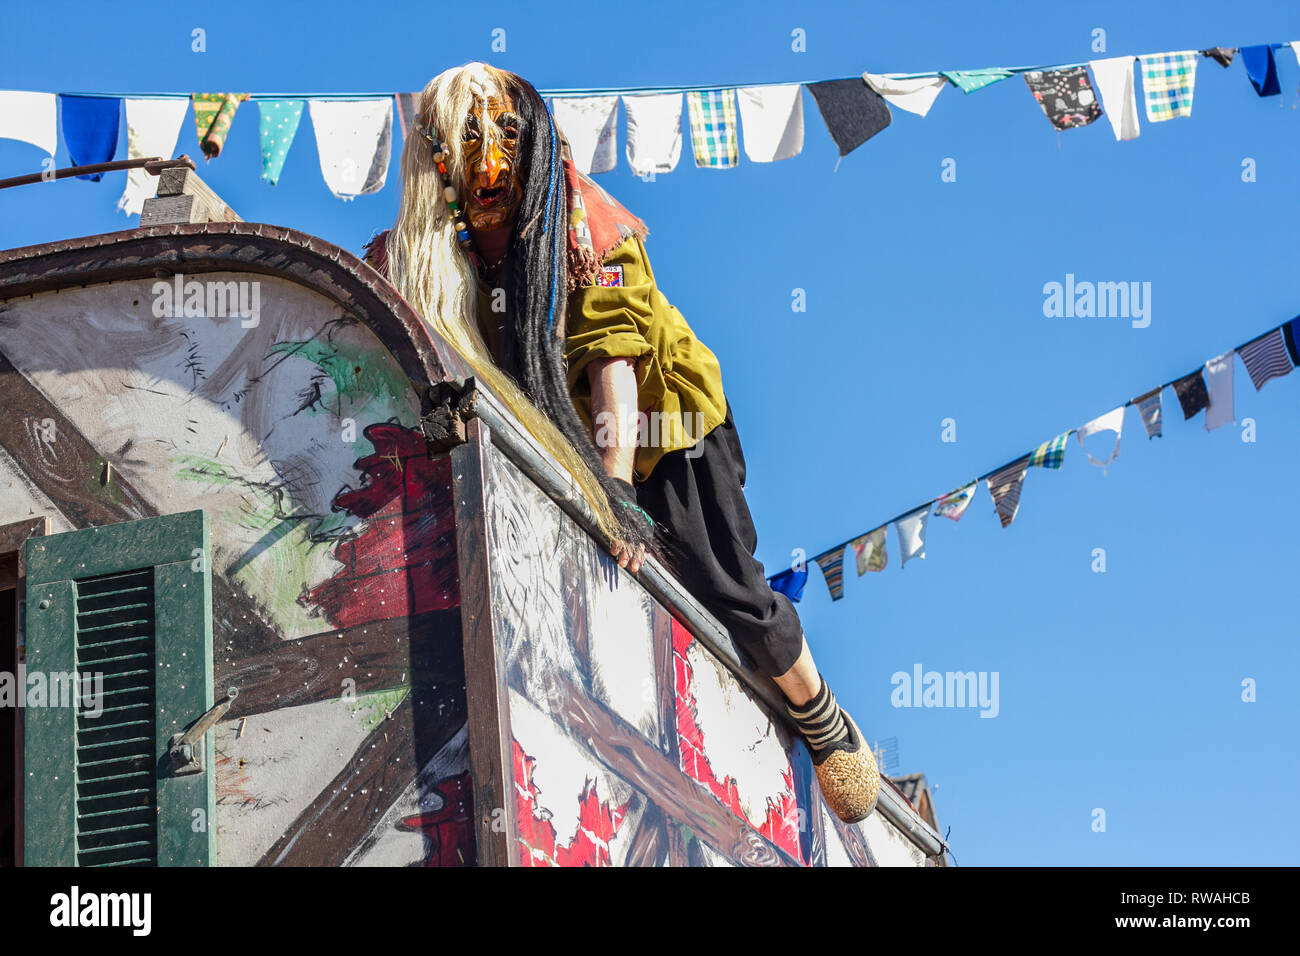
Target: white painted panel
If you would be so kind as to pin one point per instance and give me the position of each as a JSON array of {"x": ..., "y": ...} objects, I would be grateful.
[{"x": 888, "y": 845}]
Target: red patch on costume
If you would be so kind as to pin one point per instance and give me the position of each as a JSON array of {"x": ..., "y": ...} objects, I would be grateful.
[{"x": 610, "y": 276}]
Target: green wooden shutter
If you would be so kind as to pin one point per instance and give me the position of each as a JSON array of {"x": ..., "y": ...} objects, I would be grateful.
[{"x": 133, "y": 602}]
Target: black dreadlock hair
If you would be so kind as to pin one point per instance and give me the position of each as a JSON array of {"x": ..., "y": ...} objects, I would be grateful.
[{"x": 536, "y": 279}]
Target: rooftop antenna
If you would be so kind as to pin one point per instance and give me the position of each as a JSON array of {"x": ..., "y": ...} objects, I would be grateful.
[{"x": 886, "y": 752}]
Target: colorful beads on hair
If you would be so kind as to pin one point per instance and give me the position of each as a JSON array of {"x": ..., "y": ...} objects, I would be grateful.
[{"x": 440, "y": 156}]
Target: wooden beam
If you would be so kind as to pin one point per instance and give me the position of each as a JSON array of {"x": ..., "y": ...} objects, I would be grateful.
[
  {"x": 60, "y": 460},
  {"x": 13, "y": 537},
  {"x": 184, "y": 197},
  {"x": 380, "y": 655},
  {"x": 650, "y": 841},
  {"x": 13, "y": 557},
  {"x": 677, "y": 855},
  {"x": 485, "y": 686}
]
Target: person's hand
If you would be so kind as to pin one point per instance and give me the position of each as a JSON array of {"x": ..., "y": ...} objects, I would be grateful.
[
  {"x": 629, "y": 557},
  {"x": 630, "y": 550}
]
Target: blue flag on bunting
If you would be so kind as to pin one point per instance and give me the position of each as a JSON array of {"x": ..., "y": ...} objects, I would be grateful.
[
  {"x": 790, "y": 583},
  {"x": 1261, "y": 68},
  {"x": 90, "y": 126}
]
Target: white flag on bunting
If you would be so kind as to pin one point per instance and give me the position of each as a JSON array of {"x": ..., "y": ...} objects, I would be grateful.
[
  {"x": 915, "y": 95},
  {"x": 1118, "y": 90},
  {"x": 772, "y": 118},
  {"x": 589, "y": 123},
  {"x": 654, "y": 132},
  {"x": 1218, "y": 382},
  {"x": 1112, "y": 421},
  {"x": 354, "y": 141},
  {"x": 152, "y": 127},
  {"x": 911, "y": 534},
  {"x": 30, "y": 118}
]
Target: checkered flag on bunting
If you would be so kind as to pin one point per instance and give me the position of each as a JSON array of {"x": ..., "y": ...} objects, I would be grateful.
[
  {"x": 1169, "y": 80},
  {"x": 713, "y": 128},
  {"x": 1050, "y": 454}
]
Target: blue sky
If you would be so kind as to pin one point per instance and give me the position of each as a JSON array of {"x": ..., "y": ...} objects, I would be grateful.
[{"x": 1119, "y": 691}]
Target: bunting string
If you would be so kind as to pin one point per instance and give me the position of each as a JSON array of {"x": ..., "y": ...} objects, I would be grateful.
[
  {"x": 1269, "y": 355},
  {"x": 765, "y": 119}
]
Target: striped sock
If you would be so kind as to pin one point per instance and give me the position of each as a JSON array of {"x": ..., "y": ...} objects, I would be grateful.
[{"x": 822, "y": 722}]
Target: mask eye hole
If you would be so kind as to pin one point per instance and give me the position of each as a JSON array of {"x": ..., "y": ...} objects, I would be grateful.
[{"x": 508, "y": 123}]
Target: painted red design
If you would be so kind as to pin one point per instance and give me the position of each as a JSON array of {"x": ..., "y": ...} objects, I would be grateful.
[
  {"x": 781, "y": 821},
  {"x": 450, "y": 829},
  {"x": 404, "y": 560},
  {"x": 598, "y": 822}
]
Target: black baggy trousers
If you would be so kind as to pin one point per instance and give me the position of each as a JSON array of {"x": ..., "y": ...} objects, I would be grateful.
[{"x": 707, "y": 539}]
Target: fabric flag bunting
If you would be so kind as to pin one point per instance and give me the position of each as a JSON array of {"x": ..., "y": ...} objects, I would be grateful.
[
  {"x": 1261, "y": 68},
  {"x": 30, "y": 118},
  {"x": 90, "y": 127},
  {"x": 1004, "y": 487},
  {"x": 406, "y": 104},
  {"x": 1191, "y": 393},
  {"x": 870, "y": 551},
  {"x": 1221, "y": 55},
  {"x": 277, "y": 124},
  {"x": 1118, "y": 91},
  {"x": 954, "y": 504},
  {"x": 152, "y": 127},
  {"x": 968, "y": 81},
  {"x": 213, "y": 114},
  {"x": 590, "y": 125},
  {"x": 852, "y": 110},
  {"x": 713, "y": 128},
  {"x": 832, "y": 565},
  {"x": 354, "y": 139},
  {"x": 1112, "y": 421},
  {"x": 1169, "y": 80},
  {"x": 1218, "y": 376},
  {"x": 1050, "y": 454},
  {"x": 915, "y": 96},
  {"x": 1149, "y": 408},
  {"x": 654, "y": 132},
  {"x": 790, "y": 583},
  {"x": 1265, "y": 358},
  {"x": 1066, "y": 96},
  {"x": 911, "y": 535},
  {"x": 772, "y": 117}
]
